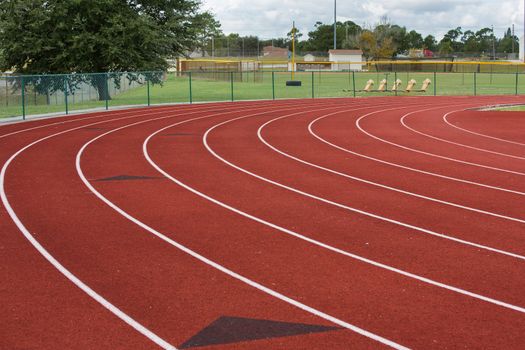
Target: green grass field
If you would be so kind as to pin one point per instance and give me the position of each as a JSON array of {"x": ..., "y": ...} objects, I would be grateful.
[
  {"x": 256, "y": 86},
  {"x": 512, "y": 109}
]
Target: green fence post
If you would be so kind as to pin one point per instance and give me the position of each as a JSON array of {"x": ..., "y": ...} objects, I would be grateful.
[
  {"x": 395, "y": 82},
  {"x": 149, "y": 95},
  {"x": 23, "y": 83},
  {"x": 475, "y": 84},
  {"x": 231, "y": 85},
  {"x": 517, "y": 77},
  {"x": 273, "y": 85},
  {"x": 435, "y": 83},
  {"x": 353, "y": 81},
  {"x": 313, "y": 92},
  {"x": 191, "y": 92},
  {"x": 106, "y": 76},
  {"x": 65, "y": 94}
]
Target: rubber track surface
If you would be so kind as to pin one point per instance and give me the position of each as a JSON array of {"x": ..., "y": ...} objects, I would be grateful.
[{"x": 383, "y": 222}]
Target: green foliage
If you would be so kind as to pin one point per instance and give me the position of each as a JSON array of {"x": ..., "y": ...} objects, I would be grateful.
[
  {"x": 430, "y": 43},
  {"x": 321, "y": 39},
  {"x": 73, "y": 36}
]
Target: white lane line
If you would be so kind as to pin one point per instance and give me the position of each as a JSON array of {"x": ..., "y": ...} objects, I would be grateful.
[
  {"x": 320, "y": 244},
  {"x": 310, "y": 129},
  {"x": 207, "y": 261},
  {"x": 358, "y": 125},
  {"x": 342, "y": 206},
  {"x": 63, "y": 270},
  {"x": 403, "y": 122},
  {"x": 335, "y": 172},
  {"x": 112, "y": 114},
  {"x": 445, "y": 118}
]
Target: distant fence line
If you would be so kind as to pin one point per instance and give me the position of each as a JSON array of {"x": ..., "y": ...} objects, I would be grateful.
[
  {"x": 247, "y": 65},
  {"x": 22, "y": 95}
]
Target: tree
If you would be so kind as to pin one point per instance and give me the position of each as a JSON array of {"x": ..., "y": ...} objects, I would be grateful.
[
  {"x": 415, "y": 40},
  {"x": 509, "y": 43},
  {"x": 430, "y": 43},
  {"x": 321, "y": 39},
  {"x": 452, "y": 40},
  {"x": 73, "y": 36}
]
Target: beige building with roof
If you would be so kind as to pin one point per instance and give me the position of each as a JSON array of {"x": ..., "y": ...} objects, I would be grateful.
[{"x": 342, "y": 59}]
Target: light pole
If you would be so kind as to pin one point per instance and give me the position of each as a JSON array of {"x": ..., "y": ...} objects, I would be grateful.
[{"x": 335, "y": 24}]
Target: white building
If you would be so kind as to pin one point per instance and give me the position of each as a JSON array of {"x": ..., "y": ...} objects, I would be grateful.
[
  {"x": 309, "y": 58},
  {"x": 342, "y": 59}
]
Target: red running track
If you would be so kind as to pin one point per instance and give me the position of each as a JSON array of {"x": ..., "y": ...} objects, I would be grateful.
[{"x": 313, "y": 224}]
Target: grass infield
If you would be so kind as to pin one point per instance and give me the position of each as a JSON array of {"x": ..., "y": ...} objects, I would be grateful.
[{"x": 265, "y": 85}]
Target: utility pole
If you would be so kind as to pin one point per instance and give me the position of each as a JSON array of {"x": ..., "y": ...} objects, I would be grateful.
[
  {"x": 493, "y": 45},
  {"x": 513, "y": 36},
  {"x": 213, "y": 46},
  {"x": 335, "y": 24}
]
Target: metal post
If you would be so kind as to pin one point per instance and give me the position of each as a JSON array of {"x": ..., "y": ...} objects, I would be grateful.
[
  {"x": 517, "y": 78},
  {"x": 395, "y": 82},
  {"x": 231, "y": 85},
  {"x": 65, "y": 94},
  {"x": 475, "y": 84},
  {"x": 191, "y": 92},
  {"x": 149, "y": 96},
  {"x": 106, "y": 76},
  {"x": 313, "y": 93},
  {"x": 335, "y": 24},
  {"x": 435, "y": 83},
  {"x": 513, "y": 36},
  {"x": 493, "y": 45},
  {"x": 353, "y": 81},
  {"x": 23, "y": 83},
  {"x": 273, "y": 85}
]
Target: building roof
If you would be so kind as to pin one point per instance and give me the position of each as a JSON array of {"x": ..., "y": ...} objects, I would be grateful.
[{"x": 345, "y": 52}]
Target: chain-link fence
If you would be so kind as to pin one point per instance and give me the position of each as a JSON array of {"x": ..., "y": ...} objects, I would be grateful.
[{"x": 21, "y": 96}]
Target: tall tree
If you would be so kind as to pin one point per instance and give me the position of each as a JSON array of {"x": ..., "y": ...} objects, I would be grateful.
[
  {"x": 430, "y": 43},
  {"x": 321, "y": 39},
  {"x": 72, "y": 36}
]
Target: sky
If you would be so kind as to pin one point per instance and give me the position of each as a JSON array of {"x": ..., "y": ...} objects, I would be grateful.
[{"x": 273, "y": 18}]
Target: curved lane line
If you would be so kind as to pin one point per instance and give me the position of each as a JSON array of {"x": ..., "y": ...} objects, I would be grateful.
[
  {"x": 118, "y": 113},
  {"x": 452, "y": 142},
  {"x": 320, "y": 244},
  {"x": 335, "y": 172},
  {"x": 203, "y": 258},
  {"x": 61, "y": 268},
  {"x": 445, "y": 118},
  {"x": 310, "y": 129},
  {"x": 358, "y": 124}
]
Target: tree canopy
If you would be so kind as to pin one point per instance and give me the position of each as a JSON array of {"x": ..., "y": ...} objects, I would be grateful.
[{"x": 68, "y": 36}]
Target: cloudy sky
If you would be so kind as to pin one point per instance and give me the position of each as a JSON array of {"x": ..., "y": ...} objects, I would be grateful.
[{"x": 273, "y": 18}]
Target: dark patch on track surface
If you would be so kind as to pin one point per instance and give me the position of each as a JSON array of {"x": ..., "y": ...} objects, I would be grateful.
[{"x": 227, "y": 330}]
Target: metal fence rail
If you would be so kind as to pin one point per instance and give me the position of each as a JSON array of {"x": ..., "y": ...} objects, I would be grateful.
[{"x": 21, "y": 96}]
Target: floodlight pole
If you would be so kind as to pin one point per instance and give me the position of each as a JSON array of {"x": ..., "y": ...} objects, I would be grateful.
[
  {"x": 293, "y": 51},
  {"x": 335, "y": 24},
  {"x": 493, "y": 45}
]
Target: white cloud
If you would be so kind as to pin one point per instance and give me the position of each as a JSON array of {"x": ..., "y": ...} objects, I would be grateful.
[{"x": 273, "y": 18}]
